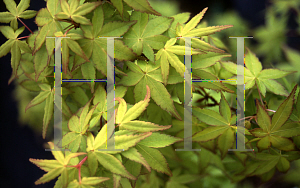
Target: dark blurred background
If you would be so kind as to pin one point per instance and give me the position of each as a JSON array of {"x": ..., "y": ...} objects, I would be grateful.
[{"x": 19, "y": 142}]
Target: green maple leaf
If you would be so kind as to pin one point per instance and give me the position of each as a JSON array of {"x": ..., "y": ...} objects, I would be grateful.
[
  {"x": 222, "y": 126},
  {"x": 157, "y": 115},
  {"x": 123, "y": 8},
  {"x": 125, "y": 117},
  {"x": 45, "y": 19},
  {"x": 101, "y": 109},
  {"x": 46, "y": 94},
  {"x": 207, "y": 54},
  {"x": 70, "y": 43},
  {"x": 295, "y": 116},
  {"x": 78, "y": 126},
  {"x": 178, "y": 180},
  {"x": 142, "y": 6},
  {"x": 16, "y": 12},
  {"x": 123, "y": 140},
  {"x": 276, "y": 131},
  {"x": 167, "y": 56},
  {"x": 95, "y": 48},
  {"x": 284, "y": 6},
  {"x": 293, "y": 57},
  {"x": 154, "y": 158},
  {"x": 145, "y": 35},
  {"x": 143, "y": 74},
  {"x": 87, "y": 182},
  {"x": 13, "y": 45},
  {"x": 190, "y": 30},
  {"x": 266, "y": 162},
  {"x": 58, "y": 166},
  {"x": 264, "y": 79},
  {"x": 74, "y": 11},
  {"x": 273, "y": 32}
]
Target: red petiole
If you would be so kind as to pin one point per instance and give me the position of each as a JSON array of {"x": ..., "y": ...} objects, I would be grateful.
[
  {"x": 78, "y": 166},
  {"x": 25, "y": 25}
]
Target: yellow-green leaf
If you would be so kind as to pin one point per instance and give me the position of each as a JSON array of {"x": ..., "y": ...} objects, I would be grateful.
[
  {"x": 92, "y": 162},
  {"x": 93, "y": 180},
  {"x": 155, "y": 159},
  {"x": 263, "y": 119},
  {"x": 225, "y": 108},
  {"x": 121, "y": 110},
  {"x": 138, "y": 108},
  {"x": 210, "y": 117},
  {"x": 115, "y": 28},
  {"x": 6, "y": 17},
  {"x": 164, "y": 67},
  {"x": 252, "y": 63},
  {"x": 15, "y": 57},
  {"x": 206, "y": 31},
  {"x": 288, "y": 130},
  {"x": 283, "y": 112},
  {"x": 264, "y": 143},
  {"x": 86, "y": 8},
  {"x": 74, "y": 46},
  {"x": 81, "y": 19},
  {"x": 209, "y": 133},
  {"x": 225, "y": 141},
  {"x": 193, "y": 22},
  {"x": 6, "y": 47},
  {"x": 157, "y": 140},
  {"x": 142, "y": 6},
  {"x": 283, "y": 165},
  {"x": 43, "y": 17},
  {"x": 49, "y": 176},
  {"x": 142, "y": 126},
  {"x": 134, "y": 155},
  {"x": 46, "y": 164},
  {"x": 126, "y": 141},
  {"x": 23, "y": 5},
  {"x": 8, "y": 32},
  {"x": 275, "y": 87},
  {"x": 38, "y": 99},
  {"x": 74, "y": 124},
  {"x": 56, "y": 152},
  {"x": 280, "y": 143},
  {"x": 41, "y": 61},
  {"x": 206, "y": 60},
  {"x": 176, "y": 63},
  {"x": 112, "y": 164},
  {"x": 273, "y": 73},
  {"x": 11, "y": 6},
  {"x": 48, "y": 112}
]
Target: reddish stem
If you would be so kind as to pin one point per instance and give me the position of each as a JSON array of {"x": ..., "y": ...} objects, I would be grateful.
[
  {"x": 68, "y": 30},
  {"x": 79, "y": 174},
  {"x": 25, "y": 25},
  {"x": 23, "y": 37},
  {"x": 82, "y": 161},
  {"x": 78, "y": 166}
]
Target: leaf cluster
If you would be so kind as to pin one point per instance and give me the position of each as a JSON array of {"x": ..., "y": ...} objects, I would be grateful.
[{"x": 149, "y": 96}]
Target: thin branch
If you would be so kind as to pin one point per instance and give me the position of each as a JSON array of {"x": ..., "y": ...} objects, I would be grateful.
[
  {"x": 78, "y": 166},
  {"x": 271, "y": 110},
  {"x": 259, "y": 95},
  {"x": 23, "y": 37},
  {"x": 24, "y": 25},
  {"x": 68, "y": 30},
  {"x": 246, "y": 118}
]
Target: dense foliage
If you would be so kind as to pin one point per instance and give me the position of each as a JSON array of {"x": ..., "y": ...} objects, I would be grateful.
[{"x": 149, "y": 97}]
